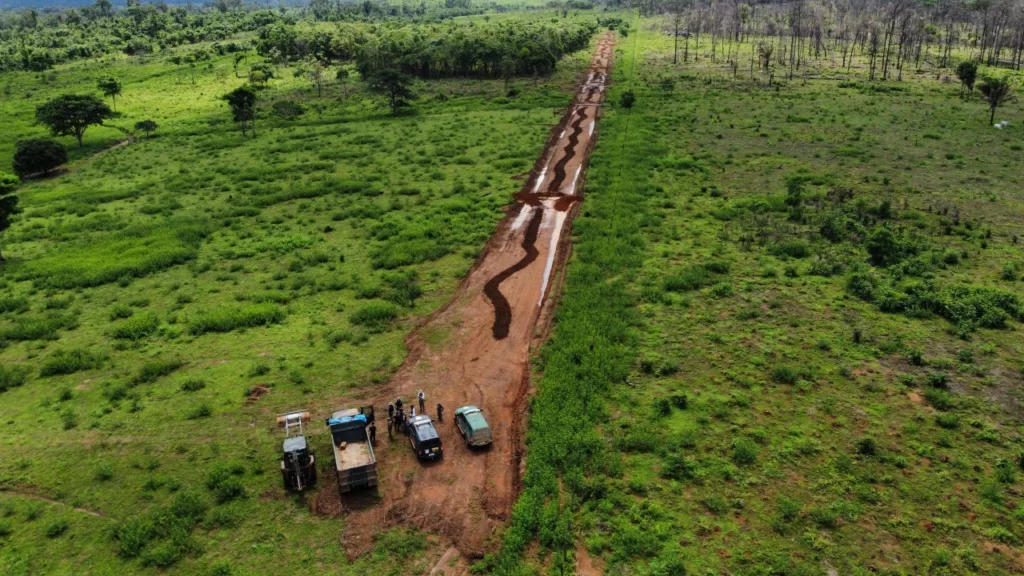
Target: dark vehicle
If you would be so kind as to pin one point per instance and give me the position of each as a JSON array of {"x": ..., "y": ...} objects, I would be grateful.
[
  {"x": 423, "y": 437},
  {"x": 298, "y": 467},
  {"x": 354, "y": 460},
  {"x": 474, "y": 428}
]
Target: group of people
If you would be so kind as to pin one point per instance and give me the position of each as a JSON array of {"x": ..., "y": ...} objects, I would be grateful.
[{"x": 398, "y": 420}]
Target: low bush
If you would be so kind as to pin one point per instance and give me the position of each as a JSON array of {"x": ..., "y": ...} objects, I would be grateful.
[
  {"x": 940, "y": 399},
  {"x": 375, "y": 316},
  {"x": 37, "y": 327},
  {"x": 744, "y": 451},
  {"x": 12, "y": 376},
  {"x": 785, "y": 374},
  {"x": 866, "y": 447},
  {"x": 192, "y": 385},
  {"x": 791, "y": 249},
  {"x": 56, "y": 528},
  {"x": 690, "y": 278},
  {"x": 70, "y": 361},
  {"x": 153, "y": 370},
  {"x": 11, "y": 304},
  {"x": 232, "y": 318},
  {"x": 136, "y": 328}
]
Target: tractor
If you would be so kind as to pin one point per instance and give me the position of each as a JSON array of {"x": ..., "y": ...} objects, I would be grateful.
[{"x": 298, "y": 467}]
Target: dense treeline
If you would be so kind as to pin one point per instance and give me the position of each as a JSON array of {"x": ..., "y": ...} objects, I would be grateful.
[
  {"x": 509, "y": 48},
  {"x": 30, "y": 41},
  {"x": 888, "y": 33},
  {"x": 36, "y": 41}
]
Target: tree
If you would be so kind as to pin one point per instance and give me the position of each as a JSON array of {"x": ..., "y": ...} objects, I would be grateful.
[
  {"x": 317, "y": 77},
  {"x": 38, "y": 155},
  {"x": 111, "y": 87},
  {"x": 394, "y": 85},
  {"x": 242, "y": 101},
  {"x": 288, "y": 109},
  {"x": 8, "y": 201},
  {"x": 146, "y": 126},
  {"x": 71, "y": 114},
  {"x": 260, "y": 73},
  {"x": 967, "y": 72},
  {"x": 995, "y": 91},
  {"x": 342, "y": 77}
]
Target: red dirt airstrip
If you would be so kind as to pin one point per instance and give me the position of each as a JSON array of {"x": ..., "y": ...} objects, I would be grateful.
[{"x": 499, "y": 311}]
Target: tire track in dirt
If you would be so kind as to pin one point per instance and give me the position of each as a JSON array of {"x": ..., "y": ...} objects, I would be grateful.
[
  {"x": 478, "y": 352},
  {"x": 502, "y": 309}
]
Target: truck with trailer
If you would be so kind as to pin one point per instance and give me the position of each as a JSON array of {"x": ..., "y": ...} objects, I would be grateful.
[{"x": 354, "y": 461}]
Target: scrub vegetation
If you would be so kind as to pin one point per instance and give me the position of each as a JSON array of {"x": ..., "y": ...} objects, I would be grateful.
[
  {"x": 806, "y": 352},
  {"x": 150, "y": 288}
]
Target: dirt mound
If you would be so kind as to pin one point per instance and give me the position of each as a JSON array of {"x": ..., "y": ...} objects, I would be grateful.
[
  {"x": 257, "y": 392},
  {"x": 498, "y": 311}
]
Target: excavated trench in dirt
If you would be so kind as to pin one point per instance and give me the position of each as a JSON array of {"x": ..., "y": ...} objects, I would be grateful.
[
  {"x": 502, "y": 309},
  {"x": 476, "y": 351}
]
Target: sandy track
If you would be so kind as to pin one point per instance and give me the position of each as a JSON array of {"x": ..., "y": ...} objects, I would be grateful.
[{"x": 490, "y": 324}]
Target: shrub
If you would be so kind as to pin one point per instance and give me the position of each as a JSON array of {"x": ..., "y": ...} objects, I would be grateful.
[
  {"x": 156, "y": 369},
  {"x": 788, "y": 509},
  {"x": 12, "y": 376},
  {"x": 192, "y": 385},
  {"x": 662, "y": 407},
  {"x": 198, "y": 412},
  {"x": 785, "y": 374},
  {"x": 947, "y": 421},
  {"x": 56, "y": 528},
  {"x": 38, "y": 155},
  {"x": 940, "y": 399},
  {"x": 70, "y": 361},
  {"x": 721, "y": 290},
  {"x": 744, "y": 451},
  {"x": 938, "y": 380},
  {"x": 1005, "y": 472},
  {"x": 915, "y": 357},
  {"x": 120, "y": 312},
  {"x": 886, "y": 248},
  {"x": 228, "y": 319},
  {"x": 862, "y": 285},
  {"x": 679, "y": 467},
  {"x": 866, "y": 447},
  {"x": 690, "y": 278},
  {"x": 136, "y": 328},
  {"x": 791, "y": 249},
  {"x": 13, "y": 304},
  {"x": 680, "y": 401},
  {"x": 104, "y": 472},
  {"x": 375, "y": 316}
]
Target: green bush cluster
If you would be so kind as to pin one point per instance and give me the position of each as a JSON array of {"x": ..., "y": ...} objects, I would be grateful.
[
  {"x": 136, "y": 328},
  {"x": 126, "y": 254},
  {"x": 12, "y": 377},
  {"x": 70, "y": 361},
  {"x": 375, "y": 316},
  {"x": 235, "y": 317},
  {"x": 163, "y": 536}
]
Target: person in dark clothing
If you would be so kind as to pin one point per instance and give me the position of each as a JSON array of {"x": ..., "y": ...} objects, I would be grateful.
[
  {"x": 440, "y": 412},
  {"x": 373, "y": 433},
  {"x": 398, "y": 404},
  {"x": 391, "y": 424},
  {"x": 423, "y": 401},
  {"x": 391, "y": 410}
]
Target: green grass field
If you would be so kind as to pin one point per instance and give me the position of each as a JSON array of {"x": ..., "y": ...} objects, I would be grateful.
[
  {"x": 153, "y": 292},
  {"x": 809, "y": 393}
]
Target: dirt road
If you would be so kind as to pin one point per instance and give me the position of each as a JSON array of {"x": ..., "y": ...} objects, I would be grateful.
[{"x": 500, "y": 309}]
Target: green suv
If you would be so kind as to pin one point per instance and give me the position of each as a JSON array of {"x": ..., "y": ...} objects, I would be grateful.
[{"x": 474, "y": 428}]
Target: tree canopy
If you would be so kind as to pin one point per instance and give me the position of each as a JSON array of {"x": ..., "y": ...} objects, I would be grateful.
[
  {"x": 38, "y": 155},
  {"x": 393, "y": 85},
  {"x": 71, "y": 114},
  {"x": 8, "y": 201},
  {"x": 111, "y": 88},
  {"x": 242, "y": 101}
]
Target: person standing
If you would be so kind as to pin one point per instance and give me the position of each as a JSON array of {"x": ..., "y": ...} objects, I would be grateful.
[
  {"x": 412, "y": 412},
  {"x": 391, "y": 410},
  {"x": 423, "y": 400},
  {"x": 398, "y": 404},
  {"x": 373, "y": 433},
  {"x": 391, "y": 424},
  {"x": 440, "y": 412}
]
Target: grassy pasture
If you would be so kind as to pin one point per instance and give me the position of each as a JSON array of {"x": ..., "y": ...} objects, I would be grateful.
[
  {"x": 152, "y": 288},
  {"x": 808, "y": 393}
]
